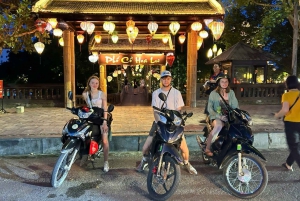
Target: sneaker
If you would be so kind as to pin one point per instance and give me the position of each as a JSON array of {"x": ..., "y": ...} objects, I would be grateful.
[
  {"x": 141, "y": 166},
  {"x": 190, "y": 168},
  {"x": 106, "y": 166}
]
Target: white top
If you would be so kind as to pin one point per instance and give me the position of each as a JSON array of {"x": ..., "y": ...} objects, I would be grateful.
[
  {"x": 174, "y": 99},
  {"x": 95, "y": 102}
]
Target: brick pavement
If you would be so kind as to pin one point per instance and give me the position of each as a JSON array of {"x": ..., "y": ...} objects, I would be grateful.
[{"x": 128, "y": 120}]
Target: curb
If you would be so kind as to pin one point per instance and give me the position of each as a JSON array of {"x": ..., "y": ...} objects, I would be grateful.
[{"x": 121, "y": 143}]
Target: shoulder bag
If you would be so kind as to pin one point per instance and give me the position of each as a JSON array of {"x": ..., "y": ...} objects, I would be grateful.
[{"x": 293, "y": 104}]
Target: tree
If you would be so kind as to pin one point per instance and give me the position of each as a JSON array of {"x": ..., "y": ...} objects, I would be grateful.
[
  {"x": 275, "y": 13},
  {"x": 17, "y": 25}
]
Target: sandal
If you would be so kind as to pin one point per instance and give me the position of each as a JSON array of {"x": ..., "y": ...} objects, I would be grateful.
[
  {"x": 286, "y": 167},
  {"x": 209, "y": 153}
]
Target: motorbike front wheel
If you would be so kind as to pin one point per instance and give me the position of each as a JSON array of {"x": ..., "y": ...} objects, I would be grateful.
[
  {"x": 253, "y": 180},
  {"x": 62, "y": 167},
  {"x": 163, "y": 184}
]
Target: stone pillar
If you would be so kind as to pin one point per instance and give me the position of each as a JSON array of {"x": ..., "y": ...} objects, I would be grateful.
[
  {"x": 73, "y": 82},
  {"x": 102, "y": 77},
  {"x": 67, "y": 67},
  {"x": 162, "y": 68},
  {"x": 192, "y": 55}
]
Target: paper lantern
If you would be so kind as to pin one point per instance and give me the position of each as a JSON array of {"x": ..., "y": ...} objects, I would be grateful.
[
  {"x": 57, "y": 32},
  {"x": 216, "y": 28},
  {"x": 199, "y": 42},
  {"x": 114, "y": 38},
  {"x": 61, "y": 42},
  {"x": 152, "y": 26},
  {"x": 80, "y": 38},
  {"x": 83, "y": 26},
  {"x": 181, "y": 38},
  {"x": 90, "y": 28},
  {"x": 196, "y": 26},
  {"x": 203, "y": 34},
  {"x": 165, "y": 39},
  {"x": 130, "y": 23},
  {"x": 93, "y": 58},
  {"x": 109, "y": 78},
  {"x": 174, "y": 27},
  {"x": 98, "y": 38},
  {"x": 170, "y": 59},
  {"x": 39, "y": 47},
  {"x": 53, "y": 22},
  {"x": 40, "y": 25}
]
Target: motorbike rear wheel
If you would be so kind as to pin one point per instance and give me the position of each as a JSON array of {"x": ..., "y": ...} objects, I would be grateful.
[
  {"x": 163, "y": 185},
  {"x": 62, "y": 167},
  {"x": 253, "y": 181}
]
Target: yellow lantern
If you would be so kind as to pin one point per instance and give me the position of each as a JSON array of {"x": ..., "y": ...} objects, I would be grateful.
[
  {"x": 181, "y": 38},
  {"x": 98, "y": 38},
  {"x": 114, "y": 38},
  {"x": 130, "y": 23},
  {"x": 109, "y": 27},
  {"x": 39, "y": 47},
  {"x": 53, "y": 22},
  {"x": 199, "y": 42},
  {"x": 174, "y": 27},
  {"x": 165, "y": 39},
  {"x": 209, "y": 53},
  {"x": 109, "y": 78},
  {"x": 215, "y": 48},
  {"x": 57, "y": 32},
  {"x": 61, "y": 42},
  {"x": 203, "y": 34},
  {"x": 196, "y": 26},
  {"x": 115, "y": 73},
  {"x": 219, "y": 52},
  {"x": 216, "y": 28},
  {"x": 129, "y": 30},
  {"x": 80, "y": 38}
]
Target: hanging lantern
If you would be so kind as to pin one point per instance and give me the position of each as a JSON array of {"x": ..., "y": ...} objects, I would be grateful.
[
  {"x": 39, "y": 47},
  {"x": 196, "y": 26},
  {"x": 83, "y": 25},
  {"x": 61, "y": 42},
  {"x": 80, "y": 38},
  {"x": 207, "y": 21},
  {"x": 165, "y": 39},
  {"x": 90, "y": 28},
  {"x": 125, "y": 66},
  {"x": 119, "y": 72},
  {"x": 93, "y": 58},
  {"x": 130, "y": 23},
  {"x": 174, "y": 27},
  {"x": 129, "y": 30},
  {"x": 170, "y": 59},
  {"x": 109, "y": 27},
  {"x": 115, "y": 73},
  {"x": 98, "y": 38},
  {"x": 219, "y": 52},
  {"x": 216, "y": 28},
  {"x": 209, "y": 53},
  {"x": 152, "y": 26},
  {"x": 40, "y": 25},
  {"x": 203, "y": 34},
  {"x": 53, "y": 22},
  {"x": 215, "y": 48},
  {"x": 148, "y": 38},
  {"x": 181, "y": 39},
  {"x": 95, "y": 53},
  {"x": 199, "y": 42},
  {"x": 109, "y": 78},
  {"x": 114, "y": 38},
  {"x": 57, "y": 32}
]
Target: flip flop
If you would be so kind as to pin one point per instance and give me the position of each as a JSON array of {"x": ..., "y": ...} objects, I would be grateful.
[
  {"x": 209, "y": 153},
  {"x": 284, "y": 165}
]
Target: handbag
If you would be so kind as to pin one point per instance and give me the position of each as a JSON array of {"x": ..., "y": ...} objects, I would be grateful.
[{"x": 293, "y": 104}]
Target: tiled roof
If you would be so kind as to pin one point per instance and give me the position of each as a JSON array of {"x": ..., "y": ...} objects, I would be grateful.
[
  {"x": 129, "y": 7},
  {"x": 242, "y": 52}
]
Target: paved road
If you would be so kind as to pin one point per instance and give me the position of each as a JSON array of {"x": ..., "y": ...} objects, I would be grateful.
[{"x": 28, "y": 179}]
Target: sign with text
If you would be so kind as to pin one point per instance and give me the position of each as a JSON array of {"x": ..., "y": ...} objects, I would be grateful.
[
  {"x": 132, "y": 59},
  {"x": 1, "y": 88}
]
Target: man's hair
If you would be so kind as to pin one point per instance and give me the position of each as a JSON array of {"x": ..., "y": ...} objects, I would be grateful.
[{"x": 292, "y": 82}]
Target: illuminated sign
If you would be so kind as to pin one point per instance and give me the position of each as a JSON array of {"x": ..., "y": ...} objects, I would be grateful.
[{"x": 132, "y": 59}]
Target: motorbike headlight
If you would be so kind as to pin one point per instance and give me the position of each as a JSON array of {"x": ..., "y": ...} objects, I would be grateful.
[
  {"x": 177, "y": 120},
  {"x": 162, "y": 119}
]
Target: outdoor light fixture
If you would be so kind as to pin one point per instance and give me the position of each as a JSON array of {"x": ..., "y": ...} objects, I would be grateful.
[
  {"x": 57, "y": 32},
  {"x": 209, "y": 53},
  {"x": 203, "y": 34},
  {"x": 199, "y": 42},
  {"x": 114, "y": 38},
  {"x": 165, "y": 39},
  {"x": 53, "y": 22},
  {"x": 109, "y": 78},
  {"x": 83, "y": 25},
  {"x": 80, "y": 38},
  {"x": 216, "y": 28},
  {"x": 174, "y": 27},
  {"x": 93, "y": 58},
  {"x": 219, "y": 52},
  {"x": 181, "y": 39},
  {"x": 109, "y": 27},
  {"x": 90, "y": 28},
  {"x": 98, "y": 38},
  {"x": 39, "y": 47},
  {"x": 115, "y": 73},
  {"x": 61, "y": 42},
  {"x": 196, "y": 26},
  {"x": 152, "y": 26}
]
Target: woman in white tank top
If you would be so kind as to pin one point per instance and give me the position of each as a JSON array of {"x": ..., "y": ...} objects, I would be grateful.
[{"x": 98, "y": 99}]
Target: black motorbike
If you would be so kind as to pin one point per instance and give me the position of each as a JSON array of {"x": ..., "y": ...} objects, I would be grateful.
[
  {"x": 244, "y": 173},
  {"x": 79, "y": 137},
  {"x": 164, "y": 170}
]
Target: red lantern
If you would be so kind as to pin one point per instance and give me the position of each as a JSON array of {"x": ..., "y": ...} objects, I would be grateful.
[
  {"x": 170, "y": 59},
  {"x": 93, "y": 147},
  {"x": 40, "y": 25},
  {"x": 148, "y": 39}
]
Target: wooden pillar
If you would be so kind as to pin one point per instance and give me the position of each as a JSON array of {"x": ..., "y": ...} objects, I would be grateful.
[
  {"x": 162, "y": 68},
  {"x": 73, "y": 83},
  {"x": 67, "y": 67},
  {"x": 102, "y": 77},
  {"x": 192, "y": 55}
]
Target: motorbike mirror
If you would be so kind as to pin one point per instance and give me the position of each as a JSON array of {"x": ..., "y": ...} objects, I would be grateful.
[
  {"x": 162, "y": 96},
  {"x": 110, "y": 108},
  {"x": 70, "y": 95}
]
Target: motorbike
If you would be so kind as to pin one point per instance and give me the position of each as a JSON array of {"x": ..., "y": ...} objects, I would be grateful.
[
  {"x": 244, "y": 172},
  {"x": 164, "y": 158},
  {"x": 79, "y": 137}
]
